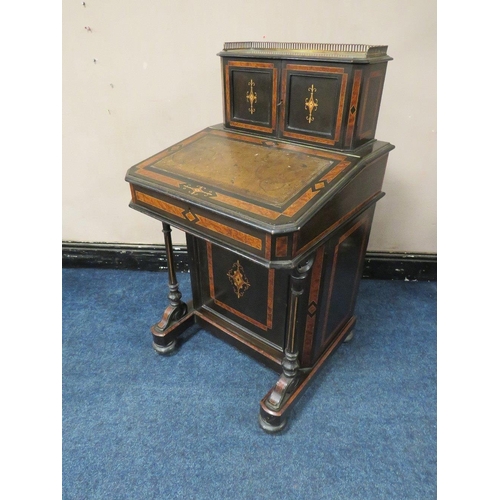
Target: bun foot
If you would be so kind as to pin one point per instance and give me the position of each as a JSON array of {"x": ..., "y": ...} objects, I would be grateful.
[
  {"x": 271, "y": 424},
  {"x": 350, "y": 336},
  {"x": 166, "y": 350}
]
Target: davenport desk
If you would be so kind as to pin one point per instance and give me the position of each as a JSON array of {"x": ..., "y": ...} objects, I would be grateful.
[{"x": 277, "y": 205}]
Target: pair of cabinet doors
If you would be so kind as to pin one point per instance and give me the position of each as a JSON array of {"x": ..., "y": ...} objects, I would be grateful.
[{"x": 329, "y": 105}]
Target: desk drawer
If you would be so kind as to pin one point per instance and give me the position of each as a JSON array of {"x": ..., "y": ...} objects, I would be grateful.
[{"x": 202, "y": 222}]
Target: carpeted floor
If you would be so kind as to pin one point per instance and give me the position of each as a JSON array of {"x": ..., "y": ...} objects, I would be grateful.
[{"x": 140, "y": 426}]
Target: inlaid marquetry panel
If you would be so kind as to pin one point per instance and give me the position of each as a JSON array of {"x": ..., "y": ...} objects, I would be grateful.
[
  {"x": 188, "y": 217},
  {"x": 250, "y": 95},
  {"x": 239, "y": 288},
  {"x": 353, "y": 108},
  {"x": 271, "y": 176},
  {"x": 267, "y": 180},
  {"x": 314, "y": 99},
  {"x": 312, "y": 306}
]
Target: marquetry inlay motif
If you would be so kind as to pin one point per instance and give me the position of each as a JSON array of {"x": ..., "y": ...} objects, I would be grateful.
[
  {"x": 200, "y": 220},
  {"x": 257, "y": 176},
  {"x": 270, "y": 175},
  {"x": 311, "y": 104},
  {"x": 238, "y": 279},
  {"x": 251, "y": 97},
  {"x": 197, "y": 190},
  {"x": 271, "y": 70},
  {"x": 353, "y": 107},
  {"x": 313, "y": 305},
  {"x": 281, "y": 246},
  {"x": 268, "y": 325}
]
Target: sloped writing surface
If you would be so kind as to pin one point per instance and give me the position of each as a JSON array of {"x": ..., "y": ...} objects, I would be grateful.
[{"x": 261, "y": 173}]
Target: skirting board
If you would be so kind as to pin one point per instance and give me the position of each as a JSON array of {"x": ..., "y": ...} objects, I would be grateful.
[{"x": 378, "y": 265}]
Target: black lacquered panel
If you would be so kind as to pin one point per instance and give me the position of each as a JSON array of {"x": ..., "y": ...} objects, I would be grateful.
[
  {"x": 314, "y": 98},
  {"x": 312, "y": 104},
  {"x": 245, "y": 292},
  {"x": 250, "y": 95},
  {"x": 343, "y": 266}
]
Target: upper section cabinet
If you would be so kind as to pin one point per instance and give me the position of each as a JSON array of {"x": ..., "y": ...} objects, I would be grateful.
[
  {"x": 251, "y": 95},
  {"x": 327, "y": 95}
]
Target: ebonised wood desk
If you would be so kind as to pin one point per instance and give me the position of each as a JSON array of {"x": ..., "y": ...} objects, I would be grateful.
[{"x": 277, "y": 212}]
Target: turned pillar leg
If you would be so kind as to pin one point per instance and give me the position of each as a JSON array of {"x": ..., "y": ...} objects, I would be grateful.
[
  {"x": 270, "y": 418},
  {"x": 162, "y": 342}
]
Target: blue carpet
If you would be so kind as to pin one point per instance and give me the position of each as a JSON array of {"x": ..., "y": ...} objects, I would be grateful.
[{"x": 140, "y": 426}]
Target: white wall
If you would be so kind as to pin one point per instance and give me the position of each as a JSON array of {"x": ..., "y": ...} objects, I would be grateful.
[{"x": 157, "y": 80}]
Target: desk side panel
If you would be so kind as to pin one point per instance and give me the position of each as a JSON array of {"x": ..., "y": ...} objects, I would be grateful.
[
  {"x": 335, "y": 279},
  {"x": 364, "y": 189}
]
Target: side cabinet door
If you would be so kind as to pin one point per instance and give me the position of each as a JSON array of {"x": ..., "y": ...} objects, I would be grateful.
[
  {"x": 245, "y": 293},
  {"x": 314, "y": 103},
  {"x": 250, "y": 95}
]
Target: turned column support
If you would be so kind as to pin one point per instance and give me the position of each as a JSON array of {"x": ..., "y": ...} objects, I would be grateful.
[
  {"x": 162, "y": 342},
  {"x": 291, "y": 374}
]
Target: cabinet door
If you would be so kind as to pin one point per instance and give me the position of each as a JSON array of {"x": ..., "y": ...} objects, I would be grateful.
[
  {"x": 251, "y": 89},
  {"x": 313, "y": 103},
  {"x": 244, "y": 292}
]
